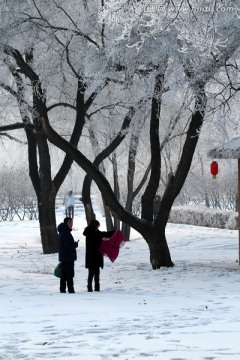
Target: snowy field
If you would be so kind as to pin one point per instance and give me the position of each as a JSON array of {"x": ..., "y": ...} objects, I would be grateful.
[{"x": 188, "y": 312}]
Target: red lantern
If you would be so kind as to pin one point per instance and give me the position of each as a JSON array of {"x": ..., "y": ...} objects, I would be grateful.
[{"x": 214, "y": 169}]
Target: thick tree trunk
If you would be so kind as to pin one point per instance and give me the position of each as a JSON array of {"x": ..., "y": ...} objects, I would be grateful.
[
  {"x": 47, "y": 221},
  {"x": 158, "y": 247},
  {"x": 45, "y": 195}
]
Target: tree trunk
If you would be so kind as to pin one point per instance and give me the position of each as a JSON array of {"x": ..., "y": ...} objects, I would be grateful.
[
  {"x": 44, "y": 192},
  {"x": 158, "y": 247},
  {"x": 47, "y": 221},
  {"x": 116, "y": 221},
  {"x": 154, "y": 179},
  {"x": 108, "y": 217},
  {"x": 86, "y": 199},
  {"x": 126, "y": 231},
  {"x": 89, "y": 213}
]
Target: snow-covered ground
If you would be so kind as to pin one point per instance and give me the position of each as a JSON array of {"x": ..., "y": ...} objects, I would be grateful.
[{"x": 190, "y": 311}]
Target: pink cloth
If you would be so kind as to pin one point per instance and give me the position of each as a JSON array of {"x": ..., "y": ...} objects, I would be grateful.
[{"x": 111, "y": 247}]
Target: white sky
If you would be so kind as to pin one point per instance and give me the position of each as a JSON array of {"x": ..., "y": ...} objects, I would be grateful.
[{"x": 190, "y": 311}]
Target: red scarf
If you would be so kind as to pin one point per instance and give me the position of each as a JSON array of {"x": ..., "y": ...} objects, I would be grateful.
[{"x": 111, "y": 247}]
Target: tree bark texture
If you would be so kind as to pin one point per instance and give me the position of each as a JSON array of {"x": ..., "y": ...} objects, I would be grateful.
[{"x": 47, "y": 221}]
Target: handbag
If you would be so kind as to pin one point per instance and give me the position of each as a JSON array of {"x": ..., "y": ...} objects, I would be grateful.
[{"x": 58, "y": 270}]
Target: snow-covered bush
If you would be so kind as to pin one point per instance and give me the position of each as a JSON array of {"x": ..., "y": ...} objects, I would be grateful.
[{"x": 202, "y": 216}]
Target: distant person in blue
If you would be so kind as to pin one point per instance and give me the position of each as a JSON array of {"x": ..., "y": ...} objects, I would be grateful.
[
  {"x": 69, "y": 205},
  {"x": 67, "y": 254}
]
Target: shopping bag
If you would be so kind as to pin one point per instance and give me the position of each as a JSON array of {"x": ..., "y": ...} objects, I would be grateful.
[{"x": 58, "y": 270}]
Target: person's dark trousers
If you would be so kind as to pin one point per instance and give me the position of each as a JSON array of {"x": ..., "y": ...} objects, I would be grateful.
[
  {"x": 66, "y": 279},
  {"x": 93, "y": 274},
  {"x": 70, "y": 212}
]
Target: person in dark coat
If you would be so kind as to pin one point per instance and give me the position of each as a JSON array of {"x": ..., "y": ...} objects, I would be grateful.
[
  {"x": 93, "y": 258},
  {"x": 67, "y": 254}
]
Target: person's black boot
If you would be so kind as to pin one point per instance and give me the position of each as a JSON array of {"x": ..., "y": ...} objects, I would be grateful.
[
  {"x": 89, "y": 288},
  {"x": 97, "y": 287}
]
